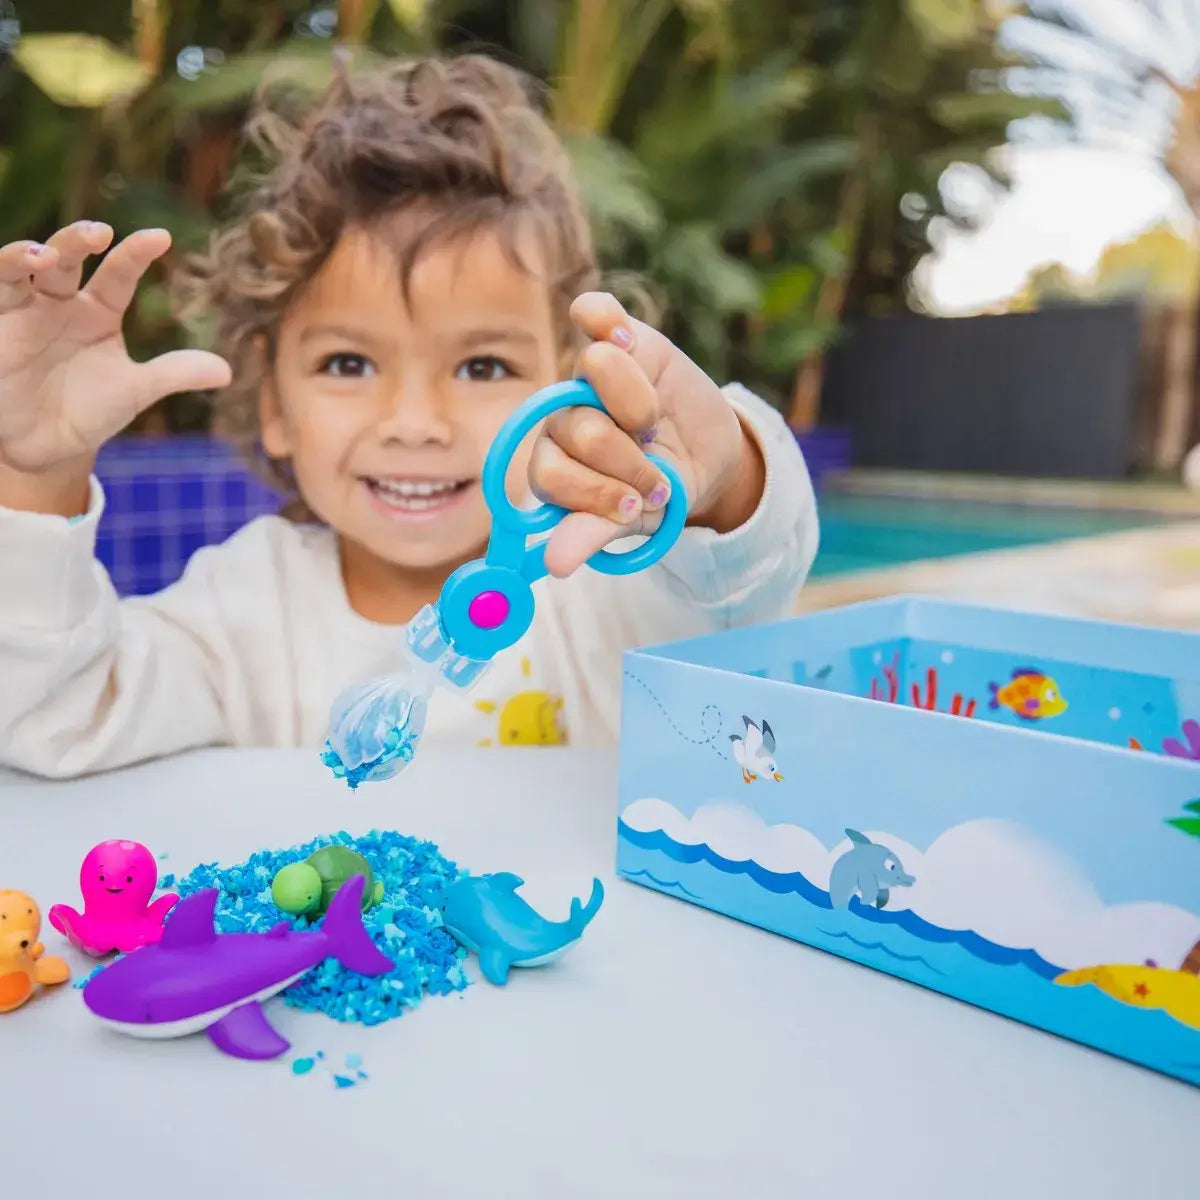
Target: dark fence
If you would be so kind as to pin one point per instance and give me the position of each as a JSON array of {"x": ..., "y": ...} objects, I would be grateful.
[{"x": 1050, "y": 393}]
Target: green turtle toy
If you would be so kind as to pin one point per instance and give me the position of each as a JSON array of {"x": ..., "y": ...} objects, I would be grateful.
[{"x": 307, "y": 887}]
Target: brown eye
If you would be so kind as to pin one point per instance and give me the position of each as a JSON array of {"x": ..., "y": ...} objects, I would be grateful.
[
  {"x": 347, "y": 366},
  {"x": 128, "y": 878},
  {"x": 485, "y": 368}
]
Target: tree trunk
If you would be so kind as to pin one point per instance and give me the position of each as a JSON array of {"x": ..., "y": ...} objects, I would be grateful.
[
  {"x": 1191, "y": 964},
  {"x": 1182, "y": 161},
  {"x": 354, "y": 20},
  {"x": 831, "y": 299},
  {"x": 150, "y": 33},
  {"x": 1179, "y": 392}
]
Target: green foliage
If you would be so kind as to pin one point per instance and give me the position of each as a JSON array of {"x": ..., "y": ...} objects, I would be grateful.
[
  {"x": 1189, "y": 825},
  {"x": 745, "y": 162}
]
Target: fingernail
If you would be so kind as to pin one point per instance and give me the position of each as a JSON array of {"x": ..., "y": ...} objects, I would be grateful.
[
  {"x": 36, "y": 249},
  {"x": 647, "y": 435},
  {"x": 660, "y": 494},
  {"x": 629, "y": 507},
  {"x": 622, "y": 337}
]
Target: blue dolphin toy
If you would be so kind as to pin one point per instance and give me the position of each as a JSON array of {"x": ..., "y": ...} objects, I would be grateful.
[{"x": 485, "y": 914}]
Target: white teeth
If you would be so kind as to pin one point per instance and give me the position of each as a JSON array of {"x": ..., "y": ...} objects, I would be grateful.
[
  {"x": 405, "y": 487},
  {"x": 413, "y": 495}
]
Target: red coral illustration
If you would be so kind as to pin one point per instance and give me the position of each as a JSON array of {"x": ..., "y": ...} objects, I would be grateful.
[
  {"x": 889, "y": 690},
  {"x": 959, "y": 707}
]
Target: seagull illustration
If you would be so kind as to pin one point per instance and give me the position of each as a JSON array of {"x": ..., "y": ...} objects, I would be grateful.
[{"x": 755, "y": 752}]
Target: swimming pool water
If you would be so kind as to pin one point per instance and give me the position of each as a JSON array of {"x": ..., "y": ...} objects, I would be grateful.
[{"x": 862, "y": 533}]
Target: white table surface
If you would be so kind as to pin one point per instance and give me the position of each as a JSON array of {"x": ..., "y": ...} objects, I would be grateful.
[{"x": 672, "y": 1054}]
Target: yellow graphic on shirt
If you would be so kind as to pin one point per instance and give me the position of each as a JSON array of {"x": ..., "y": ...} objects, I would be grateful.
[{"x": 527, "y": 719}]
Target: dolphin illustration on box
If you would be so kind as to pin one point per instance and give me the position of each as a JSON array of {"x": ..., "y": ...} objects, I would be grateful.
[{"x": 1001, "y": 807}]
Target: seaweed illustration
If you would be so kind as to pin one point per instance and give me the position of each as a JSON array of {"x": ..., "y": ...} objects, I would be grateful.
[
  {"x": 888, "y": 691},
  {"x": 959, "y": 706},
  {"x": 1176, "y": 749},
  {"x": 1191, "y": 824}
]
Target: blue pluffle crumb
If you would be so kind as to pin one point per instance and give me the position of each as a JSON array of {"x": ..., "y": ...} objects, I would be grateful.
[
  {"x": 406, "y": 924},
  {"x": 398, "y": 750},
  {"x": 84, "y": 980}
]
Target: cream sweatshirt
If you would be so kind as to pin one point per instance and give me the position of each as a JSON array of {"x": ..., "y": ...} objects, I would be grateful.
[{"x": 252, "y": 643}]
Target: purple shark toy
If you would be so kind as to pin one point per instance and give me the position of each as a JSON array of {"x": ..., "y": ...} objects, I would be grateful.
[{"x": 195, "y": 978}]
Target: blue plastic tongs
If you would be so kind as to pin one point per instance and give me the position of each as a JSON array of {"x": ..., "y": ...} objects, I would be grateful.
[{"x": 485, "y": 606}]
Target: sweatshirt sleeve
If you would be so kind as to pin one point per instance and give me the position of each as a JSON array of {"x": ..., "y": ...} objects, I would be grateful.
[
  {"x": 89, "y": 681},
  {"x": 752, "y": 573},
  {"x": 706, "y": 582}
]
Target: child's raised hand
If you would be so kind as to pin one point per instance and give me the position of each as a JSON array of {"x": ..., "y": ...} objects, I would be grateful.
[
  {"x": 657, "y": 400},
  {"x": 67, "y": 383}
]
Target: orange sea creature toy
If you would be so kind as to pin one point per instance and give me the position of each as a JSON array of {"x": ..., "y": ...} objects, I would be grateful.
[{"x": 24, "y": 965}]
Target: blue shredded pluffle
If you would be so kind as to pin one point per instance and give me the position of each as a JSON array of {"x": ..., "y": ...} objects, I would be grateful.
[
  {"x": 374, "y": 727},
  {"x": 398, "y": 749},
  {"x": 406, "y": 924}
]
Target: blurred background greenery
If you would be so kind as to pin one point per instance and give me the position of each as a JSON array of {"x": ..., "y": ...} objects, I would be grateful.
[{"x": 770, "y": 168}]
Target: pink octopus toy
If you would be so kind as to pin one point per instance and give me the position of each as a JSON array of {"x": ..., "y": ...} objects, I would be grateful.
[{"x": 117, "y": 880}]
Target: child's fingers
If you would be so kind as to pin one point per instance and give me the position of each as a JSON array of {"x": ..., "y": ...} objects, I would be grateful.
[
  {"x": 71, "y": 246},
  {"x": 623, "y": 385},
  {"x": 602, "y": 318},
  {"x": 20, "y": 263},
  {"x": 177, "y": 371},
  {"x": 116, "y": 279},
  {"x": 556, "y": 477},
  {"x": 589, "y": 437},
  {"x": 578, "y": 536}
]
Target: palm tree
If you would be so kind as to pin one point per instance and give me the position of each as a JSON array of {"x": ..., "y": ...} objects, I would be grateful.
[
  {"x": 772, "y": 167},
  {"x": 916, "y": 86},
  {"x": 1128, "y": 71},
  {"x": 747, "y": 160}
]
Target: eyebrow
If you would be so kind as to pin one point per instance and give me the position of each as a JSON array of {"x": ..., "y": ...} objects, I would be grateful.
[
  {"x": 349, "y": 332},
  {"x": 470, "y": 337},
  {"x": 475, "y": 337}
]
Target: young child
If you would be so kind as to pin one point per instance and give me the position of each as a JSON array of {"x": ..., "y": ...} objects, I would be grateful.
[{"x": 413, "y": 266}]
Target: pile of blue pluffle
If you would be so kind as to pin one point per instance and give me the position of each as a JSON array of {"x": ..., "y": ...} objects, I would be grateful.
[{"x": 405, "y": 924}]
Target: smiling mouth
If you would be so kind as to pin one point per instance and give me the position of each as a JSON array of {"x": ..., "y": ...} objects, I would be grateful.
[
  {"x": 114, "y": 890},
  {"x": 416, "y": 495}
]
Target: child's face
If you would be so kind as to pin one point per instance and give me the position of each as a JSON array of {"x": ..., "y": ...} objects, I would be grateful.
[{"x": 387, "y": 412}]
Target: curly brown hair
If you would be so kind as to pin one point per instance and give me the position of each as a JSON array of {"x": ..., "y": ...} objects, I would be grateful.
[{"x": 462, "y": 137}]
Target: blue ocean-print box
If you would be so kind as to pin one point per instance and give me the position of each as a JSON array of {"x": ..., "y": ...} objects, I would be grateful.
[{"x": 1000, "y": 807}]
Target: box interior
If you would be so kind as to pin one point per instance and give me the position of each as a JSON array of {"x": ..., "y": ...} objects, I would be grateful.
[{"x": 1132, "y": 688}]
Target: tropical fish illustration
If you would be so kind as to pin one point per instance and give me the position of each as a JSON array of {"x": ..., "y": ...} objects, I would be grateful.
[
  {"x": 755, "y": 751},
  {"x": 1030, "y": 694}
]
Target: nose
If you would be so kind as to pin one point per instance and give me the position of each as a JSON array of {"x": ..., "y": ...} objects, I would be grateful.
[{"x": 416, "y": 415}]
